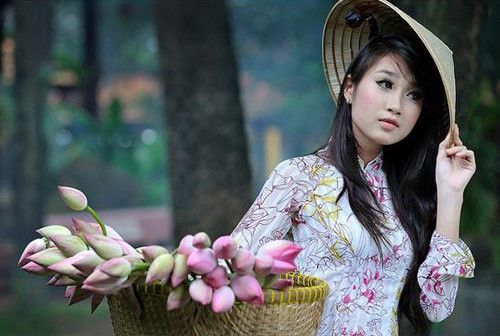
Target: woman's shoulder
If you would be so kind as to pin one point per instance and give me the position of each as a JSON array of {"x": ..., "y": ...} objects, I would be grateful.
[{"x": 305, "y": 165}]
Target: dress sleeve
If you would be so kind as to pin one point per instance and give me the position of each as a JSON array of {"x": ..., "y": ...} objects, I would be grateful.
[
  {"x": 269, "y": 217},
  {"x": 439, "y": 273}
]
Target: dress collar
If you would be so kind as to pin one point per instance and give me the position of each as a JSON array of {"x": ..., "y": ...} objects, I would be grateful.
[{"x": 373, "y": 165}]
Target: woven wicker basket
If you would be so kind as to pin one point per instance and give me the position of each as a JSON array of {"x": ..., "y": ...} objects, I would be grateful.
[{"x": 295, "y": 311}]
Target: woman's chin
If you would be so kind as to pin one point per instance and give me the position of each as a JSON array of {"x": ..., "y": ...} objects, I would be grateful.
[{"x": 386, "y": 141}]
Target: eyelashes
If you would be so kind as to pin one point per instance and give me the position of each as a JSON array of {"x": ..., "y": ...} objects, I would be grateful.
[
  {"x": 387, "y": 84},
  {"x": 416, "y": 95}
]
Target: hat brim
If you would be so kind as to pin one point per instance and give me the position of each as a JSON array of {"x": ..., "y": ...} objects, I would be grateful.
[{"x": 341, "y": 43}]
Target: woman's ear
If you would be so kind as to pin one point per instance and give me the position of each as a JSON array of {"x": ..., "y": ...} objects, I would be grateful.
[{"x": 348, "y": 89}]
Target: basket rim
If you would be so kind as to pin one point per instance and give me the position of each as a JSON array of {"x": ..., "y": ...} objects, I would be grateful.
[{"x": 306, "y": 289}]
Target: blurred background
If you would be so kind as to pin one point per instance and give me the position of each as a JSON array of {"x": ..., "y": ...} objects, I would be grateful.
[{"x": 170, "y": 114}]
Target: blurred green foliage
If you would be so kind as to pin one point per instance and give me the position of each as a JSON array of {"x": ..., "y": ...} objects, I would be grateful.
[
  {"x": 113, "y": 151},
  {"x": 38, "y": 310},
  {"x": 136, "y": 150},
  {"x": 481, "y": 196}
]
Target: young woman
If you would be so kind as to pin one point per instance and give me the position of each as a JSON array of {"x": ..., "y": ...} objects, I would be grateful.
[{"x": 377, "y": 208}]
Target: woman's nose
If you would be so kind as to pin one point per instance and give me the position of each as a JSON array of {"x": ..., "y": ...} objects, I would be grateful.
[{"x": 393, "y": 103}]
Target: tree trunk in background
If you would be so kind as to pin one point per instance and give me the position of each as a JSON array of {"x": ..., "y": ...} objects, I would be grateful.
[
  {"x": 207, "y": 148},
  {"x": 458, "y": 23},
  {"x": 33, "y": 35},
  {"x": 91, "y": 60}
]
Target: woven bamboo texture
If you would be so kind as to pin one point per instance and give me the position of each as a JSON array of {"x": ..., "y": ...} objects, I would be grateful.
[{"x": 295, "y": 311}]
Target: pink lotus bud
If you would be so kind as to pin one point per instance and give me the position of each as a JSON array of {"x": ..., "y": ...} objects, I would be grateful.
[
  {"x": 79, "y": 294},
  {"x": 102, "y": 283},
  {"x": 201, "y": 240},
  {"x": 47, "y": 257},
  {"x": 217, "y": 278},
  {"x": 180, "y": 271},
  {"x": 80, "y": 228},
  {"x": 281, "y": 249},
  {"x": 160, "y": 269},
  {"x": 116, "y": 267},
  {"x": 34, "y": 268},
  {"x": 64, "y": 281},
  {"x": 33, "y": 247},
  {"x": 225, "y": 247},
  {"x": 247, "y": 289},
  {"x": 186, "y": 245},
  {"x": 281, "y": 267},
  {"x": 243, "y": 261},
  {"x": 200, "y": 291},
  {"x": 278, "y": 283},
  {"x": 282, "y": 284},
  {"x": 74, "y": 198},
  {"x": 69, "y": 291},
  {"x": 150, "y": 252},
  {"x": 283, "y": 252},
  {"x": 87, "y": 261},
  {"x": 68, "y": 245},
  {"x": 202, "y": 261},
  {"x": 51, "y": 230},
  {"x": 176, "y": 298},
  {"x": 223, "y": 299},
  {"x": 263, "y": 265},
  {"x": 127, "y": 249},
  {"x": 104, "y": 246},
  {"x": 98, "y": 277},
  {"x": 133, "y": 259},
  {"x": 109, "y": 277},
  {"x": 54, "y": 279},
  {"x": 66, "y": 267},
  {"x": 111, "y": 232}
]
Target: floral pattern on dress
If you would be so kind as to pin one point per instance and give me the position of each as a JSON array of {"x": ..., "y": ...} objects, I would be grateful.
[
  {"x": 300, "y": 196},
  {"x": 439, "y": 273}
]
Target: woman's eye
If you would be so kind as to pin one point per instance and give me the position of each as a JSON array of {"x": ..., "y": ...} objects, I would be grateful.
[
  {"x": 415, "y": 95},
  {"x": 386, "y": 84}
]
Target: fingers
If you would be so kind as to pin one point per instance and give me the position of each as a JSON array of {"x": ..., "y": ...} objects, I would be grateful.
[
  {"x": 466, "y": 154},
  {"x": 452, "y": 138},
  {"x": 445, "y": 142},
  {"x": 461, "y": 152},
  {"x": 455, "y": 150},
  {"x": 456, "y": 137}
]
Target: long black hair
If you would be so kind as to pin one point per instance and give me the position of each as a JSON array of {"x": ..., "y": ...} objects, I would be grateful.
[{"x": 409, "y": 165}]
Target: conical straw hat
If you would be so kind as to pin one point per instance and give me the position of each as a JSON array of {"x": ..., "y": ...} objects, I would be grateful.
[{"x": 341, "y": 42}]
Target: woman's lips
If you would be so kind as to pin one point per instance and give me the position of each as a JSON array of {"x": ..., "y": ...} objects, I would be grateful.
[{"x": 387, "y": 125}]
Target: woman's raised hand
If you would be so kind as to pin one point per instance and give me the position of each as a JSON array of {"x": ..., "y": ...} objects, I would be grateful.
[{"x": 454, "y": 165}]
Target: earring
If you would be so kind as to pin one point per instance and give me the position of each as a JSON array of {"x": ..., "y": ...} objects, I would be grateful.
[{"x": 348, "y": 100}]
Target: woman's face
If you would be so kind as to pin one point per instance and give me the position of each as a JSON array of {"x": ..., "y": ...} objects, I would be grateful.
[{"x": 385, "y": 104}]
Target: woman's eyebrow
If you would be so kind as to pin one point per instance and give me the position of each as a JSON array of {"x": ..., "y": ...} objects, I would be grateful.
[{"x": 388, "y": 72}]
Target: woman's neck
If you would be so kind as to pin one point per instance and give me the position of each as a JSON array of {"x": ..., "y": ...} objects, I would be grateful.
[{"x": 368, "y": 154}]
